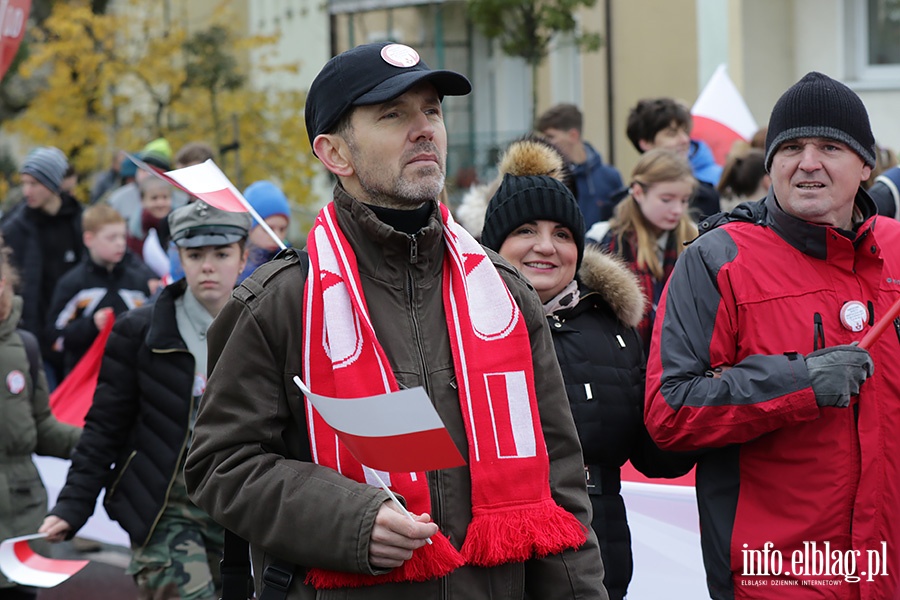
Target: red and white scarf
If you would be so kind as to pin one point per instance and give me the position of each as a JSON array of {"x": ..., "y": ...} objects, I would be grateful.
[{"x": 514, "y": 517}]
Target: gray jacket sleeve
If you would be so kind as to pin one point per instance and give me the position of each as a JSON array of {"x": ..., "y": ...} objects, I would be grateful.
[
  {"x": 251, "y": 419},
  {"x": 697, "y": 329}
]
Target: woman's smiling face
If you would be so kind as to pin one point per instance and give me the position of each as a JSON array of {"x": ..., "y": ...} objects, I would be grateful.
[{"x": 544, "y": 252}]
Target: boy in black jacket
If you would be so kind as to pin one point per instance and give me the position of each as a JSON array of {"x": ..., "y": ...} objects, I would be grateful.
[{"x": 110, "y": 280}]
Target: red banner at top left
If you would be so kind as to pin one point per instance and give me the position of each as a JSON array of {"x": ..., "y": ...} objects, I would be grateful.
[{"x": 13, "y": 17}]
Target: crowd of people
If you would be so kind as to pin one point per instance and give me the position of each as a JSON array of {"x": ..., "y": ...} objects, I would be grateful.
[{"x": 694, "y": 316}]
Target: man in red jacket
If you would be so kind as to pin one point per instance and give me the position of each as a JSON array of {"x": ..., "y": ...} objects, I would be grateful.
[{"x": 753, "y": 363}]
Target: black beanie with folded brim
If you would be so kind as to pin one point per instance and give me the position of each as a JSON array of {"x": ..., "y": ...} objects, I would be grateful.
[
  {"x": 819, "y": 106},
  {"x": 525, "y": 198}
]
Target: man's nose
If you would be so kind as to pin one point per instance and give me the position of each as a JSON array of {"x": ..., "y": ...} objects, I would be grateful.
[
  {"x": 422, "y": 128},
  {"x": 810, "y": 159}
]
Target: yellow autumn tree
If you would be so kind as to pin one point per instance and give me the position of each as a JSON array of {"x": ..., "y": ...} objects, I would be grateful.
[{"x": 119, "y": 80}]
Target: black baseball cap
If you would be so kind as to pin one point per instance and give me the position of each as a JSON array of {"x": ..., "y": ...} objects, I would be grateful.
[{"x": 371, "y": 74}]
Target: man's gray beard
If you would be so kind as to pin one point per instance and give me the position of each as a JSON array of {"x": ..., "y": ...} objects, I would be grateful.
[{"x": 406, "y": 194}]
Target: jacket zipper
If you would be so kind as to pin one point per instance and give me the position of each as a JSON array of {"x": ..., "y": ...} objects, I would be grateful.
[
  {"x": 413, "y": 249},
  {"x": 410, "y": 297},
  {"x": 111, "y": 491},
  {"x": 180, "y": 452}
]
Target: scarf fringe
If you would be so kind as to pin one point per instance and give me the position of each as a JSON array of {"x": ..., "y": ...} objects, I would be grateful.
[
  {"x": 497, "y": 536},
  {"x": 428, "y": 562}
]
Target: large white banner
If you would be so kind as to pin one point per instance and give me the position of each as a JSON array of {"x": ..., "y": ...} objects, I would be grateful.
[{"x": 665, "y": 540}]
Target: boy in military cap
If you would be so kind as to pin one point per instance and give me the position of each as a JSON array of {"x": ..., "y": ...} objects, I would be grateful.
[{"x": 140, "y": 424}]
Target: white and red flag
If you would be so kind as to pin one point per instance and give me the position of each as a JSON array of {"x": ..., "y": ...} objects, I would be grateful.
[
  {"x": 72, "y": 398},
  {"x": 721, "y": 116},
  {"x": 24, "y": 566},
  {"x": 207, "y": 182},
  {"x": 397, "y": 432}
]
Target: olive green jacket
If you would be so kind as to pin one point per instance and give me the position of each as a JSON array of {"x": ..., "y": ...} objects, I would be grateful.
[
  {"x": 249, "y": 463},
  {"x": 26, "y": 427}
]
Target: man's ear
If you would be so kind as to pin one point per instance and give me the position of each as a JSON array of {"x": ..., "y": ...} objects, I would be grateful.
[
  {"x": 645, "y": 145},
  {"x": 334, "y": 153},
  {"x": 88, "y": 238},
  {"x": 574, "y": 134}
]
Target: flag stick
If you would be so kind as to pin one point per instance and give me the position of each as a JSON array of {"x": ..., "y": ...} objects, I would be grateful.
[
  {"x": 259, "y": 220},
  {"x": 299, "y": 383},
  {"x": 882, "y": 324},
  {"x": 393, "y": 497}
]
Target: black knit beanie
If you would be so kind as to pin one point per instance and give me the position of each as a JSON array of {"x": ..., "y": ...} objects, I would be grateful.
[
  {"x": 524, "y": 198},
  {"x": 819, "y": 106}
]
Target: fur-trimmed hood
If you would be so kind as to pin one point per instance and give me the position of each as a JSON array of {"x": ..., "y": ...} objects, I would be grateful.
[{"x": 610, "y": 277}]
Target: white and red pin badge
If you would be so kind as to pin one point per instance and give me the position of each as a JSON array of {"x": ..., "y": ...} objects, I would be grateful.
[
  {"x": 199, "y": 385},
  {"x": 854, "y": 315},
  {"x": 15, "y": 382},
  {"x": 399, "y": 55}
]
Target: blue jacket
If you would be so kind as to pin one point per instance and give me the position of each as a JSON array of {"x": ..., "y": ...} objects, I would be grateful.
[
  {"x": 595, "y": 184},
  {"x": 704, "y": 165}
]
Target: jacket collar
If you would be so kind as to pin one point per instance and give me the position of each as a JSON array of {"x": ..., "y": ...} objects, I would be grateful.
[
  {"x": 383, "y": 252},
  {"x": 163, "y": 332},
  {"x": 609, "y": 279},
  {"x": 11, "y": 322},
  {"x": 809, "y": 238}
]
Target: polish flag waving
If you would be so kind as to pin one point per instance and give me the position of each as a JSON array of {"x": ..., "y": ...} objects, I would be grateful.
[
  {"x": 399, "y": 432},
  {"x": 22, "y": 565},
  {"x": 72, "y": 398},
  {"x": 721, "y": 116},
  {"x": 207, "y": 182}
]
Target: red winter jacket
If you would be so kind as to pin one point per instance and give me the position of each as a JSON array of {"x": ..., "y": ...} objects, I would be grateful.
[{"x": 755, "y": 295}]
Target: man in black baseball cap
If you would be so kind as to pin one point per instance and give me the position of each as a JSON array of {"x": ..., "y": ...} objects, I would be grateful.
[
  {"x": 392, "y": 293},
  {"x": 371, "y": 74}
]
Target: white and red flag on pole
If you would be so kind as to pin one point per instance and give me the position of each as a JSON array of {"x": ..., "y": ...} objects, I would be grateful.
[
  {"x": 721, "y": 116},
  {"x": 207, "y": 182},
  {"x": 24, "y": 566},
  {"x": 398, "y": 432}
]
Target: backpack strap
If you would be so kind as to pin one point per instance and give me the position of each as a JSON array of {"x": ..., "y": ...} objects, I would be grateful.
[
  {"x": 237, "y": 583},
  {"x": 33, "y": 352}
]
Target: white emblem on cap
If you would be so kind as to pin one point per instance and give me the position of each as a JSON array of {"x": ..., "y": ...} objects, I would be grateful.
[
  {"x": 400, "y": 55},
  {"x": 854, "y": 315},
  {"x": 15, "y": 382}
]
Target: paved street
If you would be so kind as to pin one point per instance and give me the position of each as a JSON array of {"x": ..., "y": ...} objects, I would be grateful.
[{"x": 103, "y": 578}]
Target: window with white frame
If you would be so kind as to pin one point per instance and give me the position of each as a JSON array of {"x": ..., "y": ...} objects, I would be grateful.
[{"x": 877, "y": 40}]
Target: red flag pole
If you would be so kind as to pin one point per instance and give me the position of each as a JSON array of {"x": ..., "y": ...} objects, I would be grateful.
[{"x": 882, "y": 324}]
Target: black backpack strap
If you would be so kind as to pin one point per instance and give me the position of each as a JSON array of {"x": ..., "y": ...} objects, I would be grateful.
[
  {"x": 237, "y": 584},
  {"x": 33, "y": 352},
  {"x": 277, "y": 580}
]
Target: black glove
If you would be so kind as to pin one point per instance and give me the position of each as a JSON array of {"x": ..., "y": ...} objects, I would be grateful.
[{"x": 836, "y": 373}]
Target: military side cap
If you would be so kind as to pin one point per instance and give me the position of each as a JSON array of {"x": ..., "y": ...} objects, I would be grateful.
[{"x": 199, "y": 224}]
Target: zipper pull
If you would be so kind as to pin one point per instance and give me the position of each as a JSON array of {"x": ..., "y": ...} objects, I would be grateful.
[
  {"x": 413, "y": 249},
  {"x": 818, "y": 332}
]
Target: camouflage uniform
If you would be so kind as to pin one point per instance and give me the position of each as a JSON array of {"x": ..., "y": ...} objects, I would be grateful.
[{"x": 181, "y": 559}]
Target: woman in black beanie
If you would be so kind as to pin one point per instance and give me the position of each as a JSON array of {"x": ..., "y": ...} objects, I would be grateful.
[{"x": 592, "y": 302}]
